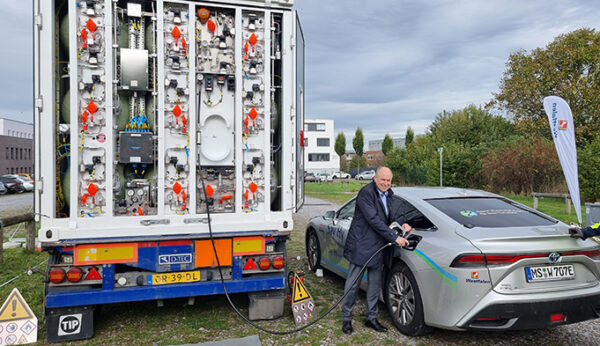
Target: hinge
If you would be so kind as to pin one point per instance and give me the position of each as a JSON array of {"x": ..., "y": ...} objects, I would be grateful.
[
  {"x": 292, "y": 113},
  {"x": 38, "y": 21},
  {"x": 292, "y": 42},
  {"x": 39, "y": 103},
  {"x": 39, "y": 185}
]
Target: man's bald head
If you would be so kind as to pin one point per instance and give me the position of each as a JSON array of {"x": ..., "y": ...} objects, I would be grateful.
[{"x": 383, "y": 178}]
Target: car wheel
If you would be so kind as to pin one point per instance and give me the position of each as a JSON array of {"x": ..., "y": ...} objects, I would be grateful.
[
  {"x": 313, "y": 250},
  {"x": 403, "y": 300}
]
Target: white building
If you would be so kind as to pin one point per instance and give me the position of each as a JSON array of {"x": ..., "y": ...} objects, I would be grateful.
[
  {"x": 376, "y": 144},
  {"x": 319, "y": 147},
  {"x": 13, "y": 128}
]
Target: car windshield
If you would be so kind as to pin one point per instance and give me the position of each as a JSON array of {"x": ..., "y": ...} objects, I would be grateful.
[{"x": 489, "y": 212}]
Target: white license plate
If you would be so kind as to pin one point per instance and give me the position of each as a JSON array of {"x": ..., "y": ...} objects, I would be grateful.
[{"x": 550, "y": 273}]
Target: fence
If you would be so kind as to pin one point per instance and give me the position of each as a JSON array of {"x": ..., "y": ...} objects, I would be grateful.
[{"x": 29, "y": 221}]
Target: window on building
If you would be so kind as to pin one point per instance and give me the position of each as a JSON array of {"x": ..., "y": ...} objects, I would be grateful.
[
  {"x": 369, "y": 157},
  {"x": 7, "y": 151},
  {"x": 20, "y": 153},
  {"x": 29, "y": 151},
  {"x": 322, "y": 142},
  {"x": 12, "y": 153},
  {"x": 315, "y": 127},
  {"x": 318, "y": 157},
  {"x": 12, "y": 170}
]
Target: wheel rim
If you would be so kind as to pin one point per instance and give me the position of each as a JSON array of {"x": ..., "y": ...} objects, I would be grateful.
[
  {"x": 402, "y": 299},
  {"x": 313, "y": 250}
]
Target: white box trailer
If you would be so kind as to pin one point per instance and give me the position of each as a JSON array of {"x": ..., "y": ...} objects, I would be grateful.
[{"x": 157, "y": 123}]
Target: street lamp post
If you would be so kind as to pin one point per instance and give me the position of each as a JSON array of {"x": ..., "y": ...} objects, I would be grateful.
[{"x": 440, "y": 150}]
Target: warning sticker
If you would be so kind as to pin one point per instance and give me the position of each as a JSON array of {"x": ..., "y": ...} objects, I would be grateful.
[
  {"x": 300, "y": 292},
  {"x": 18, "y": 324},
  {"x": 15, "y": 308}
]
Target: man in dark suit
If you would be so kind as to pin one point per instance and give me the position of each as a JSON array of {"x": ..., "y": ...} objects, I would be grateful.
[{"x": 368, "y": 232}]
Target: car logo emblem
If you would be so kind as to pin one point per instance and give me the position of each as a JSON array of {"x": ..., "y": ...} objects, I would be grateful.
[
  {"x": 554, "y": 257},
  {"x": 474, "y": 275}
]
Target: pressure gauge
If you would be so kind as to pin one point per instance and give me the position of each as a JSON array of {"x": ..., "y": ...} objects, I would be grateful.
[
  {"x": 140, "y": 192},
  {"x": 130, "y": 193}
]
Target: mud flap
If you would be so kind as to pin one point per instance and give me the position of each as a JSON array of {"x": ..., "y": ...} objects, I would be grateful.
[
  {"x": 266, "y": 305},
  {"x": 74, "y": 323}
]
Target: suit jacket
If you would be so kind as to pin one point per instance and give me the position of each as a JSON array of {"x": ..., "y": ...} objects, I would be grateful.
[{"x": 369, "y": 229}]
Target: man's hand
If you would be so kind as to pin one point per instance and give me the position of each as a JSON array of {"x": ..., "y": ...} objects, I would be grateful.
[
  {"x": 401, "y": 241},
  {"x": 575, "y": 232},
  {"x": 407, "y": 229}
]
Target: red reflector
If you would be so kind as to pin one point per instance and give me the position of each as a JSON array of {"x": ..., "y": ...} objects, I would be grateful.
[
  {"x": 558, "y": 317},
  {"x": 278, "y": 262},
  {"x": 74, "y": 274},
  {"x": 250, "y": 264},
  {"x": 488, "y": 319},
  {"x": 264, "y": 263},
  {"x": 93, "y": 275},
  {"x": 57, "y": 275}
]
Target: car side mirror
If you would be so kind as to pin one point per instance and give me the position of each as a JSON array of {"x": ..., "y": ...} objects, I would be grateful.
[{"x": 329, "y": 214}]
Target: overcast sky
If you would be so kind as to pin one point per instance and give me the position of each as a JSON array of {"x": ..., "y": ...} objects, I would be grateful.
[{"x": 382, "y": 65}]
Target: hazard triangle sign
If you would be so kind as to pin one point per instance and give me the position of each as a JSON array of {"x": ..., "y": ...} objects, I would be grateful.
[
  {"x": 303, "y": 306},
  {"x": 15, "y": 308}
]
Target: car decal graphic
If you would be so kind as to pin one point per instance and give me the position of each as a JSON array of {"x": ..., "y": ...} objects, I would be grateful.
[
  {"x": 339, "y": 267},
  {"x": 444, "y": 275}
]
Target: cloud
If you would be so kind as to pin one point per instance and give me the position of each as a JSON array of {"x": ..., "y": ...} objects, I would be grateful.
[{"x": 387, "y": 65}]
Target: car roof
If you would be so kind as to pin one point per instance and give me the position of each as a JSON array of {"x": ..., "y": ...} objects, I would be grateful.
[{"x": 429, "y": 192}]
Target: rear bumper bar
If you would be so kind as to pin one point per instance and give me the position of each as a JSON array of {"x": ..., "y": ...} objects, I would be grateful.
[
  {"x": 532, "y": 315},
  {"x": 131, "y": 294}
]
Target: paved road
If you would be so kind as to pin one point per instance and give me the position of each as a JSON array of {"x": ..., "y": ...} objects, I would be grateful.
[
  {"x": 584, "y": 333},
  {"x": 10, "y": 202}
]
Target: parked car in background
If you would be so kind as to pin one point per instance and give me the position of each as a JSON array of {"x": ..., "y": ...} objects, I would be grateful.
[
  {"x": 366, "y": 175},
  {"x": 27, "y": 183},
  {"x": 310, "y": 178},
  {"x": 324, "y": 177},
  {"x": 26, "y": 175},
  {"x": 3, "y": 188},
  {"x": 494, "y": 263},
  {"x": 13, "y": 185},
  {"x": 340, "y": 175}
]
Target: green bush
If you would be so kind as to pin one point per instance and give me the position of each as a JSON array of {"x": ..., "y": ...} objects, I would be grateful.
[
  {"x": 589, "y": 171},
  {"x": 522, "y": 165}
]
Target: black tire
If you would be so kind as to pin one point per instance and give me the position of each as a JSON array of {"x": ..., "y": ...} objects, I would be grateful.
[
  {"x": 403, "y": 301},
  {"x": 313, "y": 250}
]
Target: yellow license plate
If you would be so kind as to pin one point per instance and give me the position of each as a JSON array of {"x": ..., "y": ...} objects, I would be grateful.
[{"x": 173, "y": 278}]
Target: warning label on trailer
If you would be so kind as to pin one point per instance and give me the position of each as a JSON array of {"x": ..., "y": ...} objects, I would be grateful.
[{"x": 18, "y": 324}]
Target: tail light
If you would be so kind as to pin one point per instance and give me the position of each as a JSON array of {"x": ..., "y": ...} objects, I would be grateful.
[
  {"x": 264, "y": 263},
  {"x": 555, "y": 318},
  {"x": 593, "y": 254},
  {"x": 57, "y": 275},
  {"x": 278, "y": 262},
  {"x": 74, "y": 274},
  {"x": 478, "y": 260}
]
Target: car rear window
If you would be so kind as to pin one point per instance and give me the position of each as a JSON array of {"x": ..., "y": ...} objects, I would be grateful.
[{"x": 489, "y": 212}]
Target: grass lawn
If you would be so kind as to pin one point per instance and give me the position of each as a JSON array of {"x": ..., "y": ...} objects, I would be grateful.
[{"x": 338, "y": 191}]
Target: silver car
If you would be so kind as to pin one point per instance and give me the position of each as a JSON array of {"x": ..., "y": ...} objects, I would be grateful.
[{"x": 481, "y": 262}]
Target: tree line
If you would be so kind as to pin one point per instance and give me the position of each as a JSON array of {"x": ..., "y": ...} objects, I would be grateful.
[{"x": 506, "y": 145}]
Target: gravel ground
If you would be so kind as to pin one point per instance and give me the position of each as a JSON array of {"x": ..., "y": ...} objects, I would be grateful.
[{"x": 584, "y": 333}]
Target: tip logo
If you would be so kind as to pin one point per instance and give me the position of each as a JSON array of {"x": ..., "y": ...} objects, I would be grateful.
[
  {"x": 474, "y": 275},
  {"x": 562, "y": 124}
]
